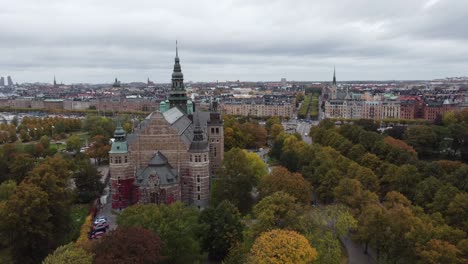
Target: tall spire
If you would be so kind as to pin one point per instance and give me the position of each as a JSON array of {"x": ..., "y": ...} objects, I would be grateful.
[
  {"x": 55, "y": 82},
  {"x": 176, "y": 50},
  {"x": 334, "y": 76},
  {"x": 178, "y": 96}
]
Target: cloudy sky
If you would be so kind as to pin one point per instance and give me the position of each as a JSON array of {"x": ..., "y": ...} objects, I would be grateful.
[{"x": 95, "y": 41}]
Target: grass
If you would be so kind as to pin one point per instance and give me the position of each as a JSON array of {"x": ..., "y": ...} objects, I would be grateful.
[
  {"x": 5, "y": 256},
  {"x": 78, "y": 215}
]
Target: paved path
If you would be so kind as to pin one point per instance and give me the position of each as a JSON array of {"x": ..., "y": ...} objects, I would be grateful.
[{"x": 355, "y": 252}]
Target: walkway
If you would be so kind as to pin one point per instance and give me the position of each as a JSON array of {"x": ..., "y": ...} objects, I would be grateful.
[{"x": 355, "y": 252}]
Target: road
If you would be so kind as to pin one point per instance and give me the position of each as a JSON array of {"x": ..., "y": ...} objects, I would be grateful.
[{"x": 303, "y": 128}]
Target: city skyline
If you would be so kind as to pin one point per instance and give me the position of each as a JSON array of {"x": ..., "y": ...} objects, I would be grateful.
[{"x": 88, "y": 42}]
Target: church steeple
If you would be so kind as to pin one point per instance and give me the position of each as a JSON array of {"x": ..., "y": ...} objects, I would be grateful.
[
  {"x": 55, "y": 82},
  {"x": 334, "y": 76},
  {"x": 178, "y": 96}
]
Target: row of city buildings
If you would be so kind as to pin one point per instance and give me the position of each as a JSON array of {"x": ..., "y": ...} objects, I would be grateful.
[
  {"x": 405, "y": 104},
  {"x": 257, "y": 106}
]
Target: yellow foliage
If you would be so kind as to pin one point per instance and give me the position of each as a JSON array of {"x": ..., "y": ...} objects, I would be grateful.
[
  {"x": 83, "y": 240},
  {"x": 282, "y": 246}
]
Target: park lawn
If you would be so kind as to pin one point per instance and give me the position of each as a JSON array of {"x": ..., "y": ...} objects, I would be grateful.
[
  {"x": 5, "y": 256},
  {"x": 78, "y": 215}
]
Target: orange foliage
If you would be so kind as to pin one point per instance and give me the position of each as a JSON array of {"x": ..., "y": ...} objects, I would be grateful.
[{"x": 400, "y": 144}]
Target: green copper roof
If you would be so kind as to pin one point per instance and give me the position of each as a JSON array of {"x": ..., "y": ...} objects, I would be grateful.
[{"x": 119, "y": 147}]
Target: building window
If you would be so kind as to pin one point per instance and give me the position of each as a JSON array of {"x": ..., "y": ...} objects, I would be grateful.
[
  {"x": 198, "y": 178},
  {"x": 212, "y": 130},
  {"x": 125, "y": 159},
  {"x": 198, "y": 188},
  {"x": 217, "y": 130},
  {"x": 204, "y": 157},
  {"x": 198, "y": 197},
  {"x": 190, "y": 158},
  {"x": 214, "y": 151}
]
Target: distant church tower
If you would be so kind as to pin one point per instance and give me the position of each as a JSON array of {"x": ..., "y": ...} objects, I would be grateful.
[
  {"x": 120, "y": 170},
  {"x": 178, "y": 95},
  {"x": 215, "y": 138},
  {"x": 333, "y": 89}
]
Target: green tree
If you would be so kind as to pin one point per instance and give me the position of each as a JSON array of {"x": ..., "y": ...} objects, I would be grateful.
[
  {"x": 176, "y": 224},
  {"x": 7, "y": 188},
  {"x": 74, "y": 143},
  {"x": 26, "y": 222},
  {"x": 422, "y": 138},
  {"x": 223, "y": 230},
  {"x": 275, "y": 130},
  {"x": 45, "y": 141},
  {"x": 457, "y": 211},
  {"x": 87, "y": 181},
  {"x": 235, "y": 182},
  {"x": 69, "y": 253}
]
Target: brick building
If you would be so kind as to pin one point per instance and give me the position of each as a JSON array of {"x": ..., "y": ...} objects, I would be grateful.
[{"x": 171, "y": 155}]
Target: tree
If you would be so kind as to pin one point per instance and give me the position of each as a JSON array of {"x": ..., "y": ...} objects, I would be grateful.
[
  {"x": 436, "y": 251},
  {"x": 275, "y": 130},
  {"x": 256, "y": 164},
  {"x": 69, "y": 253},
  {"x": 282, "y": 246},
  {"x": 74, "y": 144},
  {"x": 278, "y": 210},
  {"x": 26, "y": 222},
  {"x": 53, "y": 177},
  {"x": 280, "y": 179},
  {"x": 457, "y": 211},
  {"x": 99, "y": 148},
  {"x": 223, "y": 230},
  {"x": 45, "y": 141},
  {"x": 128, "y": 245},
  {"x": 422, "y": 138},
  {"x": 328, "y": 248},
  {"x": 176, "y": 224},
  {"x": 349, "y": 192},
  {"x": 235, "y": 182},
  {"x": 21, "y": 165},
  {"x": 7, "y": 189},
  {"x": 87, "y": 182}
]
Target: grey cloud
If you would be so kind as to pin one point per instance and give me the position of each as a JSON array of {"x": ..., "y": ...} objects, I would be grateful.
[{"x": 92, "y": 41}]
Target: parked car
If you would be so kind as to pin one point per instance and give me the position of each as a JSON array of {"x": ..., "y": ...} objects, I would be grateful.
[
  {"x": 100, "y": 219},
  {"x": 100, "y": 225},
  {"x": 97, "y": 235}
]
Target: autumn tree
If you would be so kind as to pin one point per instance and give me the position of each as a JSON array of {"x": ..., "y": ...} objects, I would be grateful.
[
  {"x": 278, "y": 210},
  {"x": 69, "y": 253},
  {"x": 21, "y": 165},
  {"x": 99, "y": 148},
  {"x": 282, "y": 246},
  {"x": 437, "y": 251},
  {"x": 176, "y": 224},
  {"x": 26, "y": 222},
  {"x": 128, "y": 245},
  {"x": 280, "y": 179},
  {"x": 222, "y": 229}
]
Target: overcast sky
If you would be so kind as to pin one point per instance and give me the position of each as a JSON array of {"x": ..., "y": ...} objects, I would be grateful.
[{"x": 96, "y": 41}]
